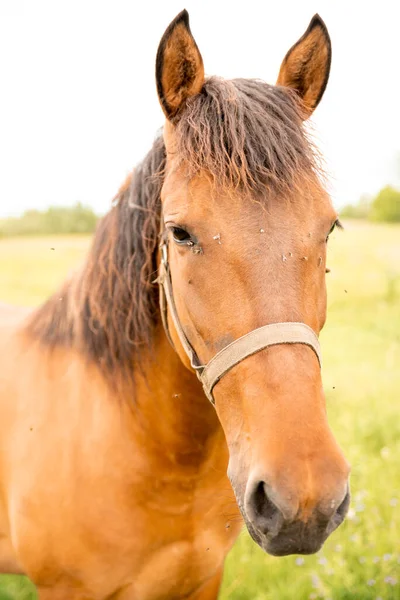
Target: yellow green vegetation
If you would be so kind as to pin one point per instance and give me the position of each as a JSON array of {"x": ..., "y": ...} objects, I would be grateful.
[{"x": 361, "y": 348}]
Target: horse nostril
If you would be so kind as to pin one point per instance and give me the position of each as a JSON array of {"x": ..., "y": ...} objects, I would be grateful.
[
  {"x": 263, "y": 513},
  {"x": 344, "y": 506},
  {"x": 338, "y": 516},
  {"x": 262, "y": 504}
]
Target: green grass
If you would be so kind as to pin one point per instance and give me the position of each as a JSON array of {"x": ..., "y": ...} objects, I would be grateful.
[
  {"x": 31, "y": 268},
  {"x": 361, "y": 347}
]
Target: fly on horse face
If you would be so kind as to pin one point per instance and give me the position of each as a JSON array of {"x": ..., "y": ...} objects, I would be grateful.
[{"x": 172, "y": 387}]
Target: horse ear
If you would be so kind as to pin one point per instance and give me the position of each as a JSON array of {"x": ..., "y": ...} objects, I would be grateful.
[
  {"x": 179, "y": 66},
  {"x": 306, "y": 66}
]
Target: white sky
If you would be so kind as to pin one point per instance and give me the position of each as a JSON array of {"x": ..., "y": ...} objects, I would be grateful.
[{"x": 78, "y": 105}]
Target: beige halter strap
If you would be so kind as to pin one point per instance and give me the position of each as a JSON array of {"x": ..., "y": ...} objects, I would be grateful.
[{"x": 234, "y": 353}]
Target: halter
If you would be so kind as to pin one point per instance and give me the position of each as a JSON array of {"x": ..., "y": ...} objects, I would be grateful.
[{"x": 238, "y": 350}]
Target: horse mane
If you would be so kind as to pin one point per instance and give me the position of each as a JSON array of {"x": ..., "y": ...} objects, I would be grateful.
[
  {"x": 109, "y": 308},
  {"x": 247, "y": 135}
]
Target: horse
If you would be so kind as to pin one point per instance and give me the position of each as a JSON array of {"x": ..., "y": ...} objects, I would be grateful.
[{"x": 171, "y": 390}]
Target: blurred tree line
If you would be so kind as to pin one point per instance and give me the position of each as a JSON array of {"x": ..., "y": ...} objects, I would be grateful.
[
  {"x": 56, "y": 219},
  {"x": 385, "y": 207}
]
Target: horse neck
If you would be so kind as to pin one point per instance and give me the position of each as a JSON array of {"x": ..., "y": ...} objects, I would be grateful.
[{"x": 173, "y": 413}]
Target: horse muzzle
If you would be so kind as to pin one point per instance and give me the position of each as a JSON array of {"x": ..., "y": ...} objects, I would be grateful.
[{"x": 280, "y": 530}]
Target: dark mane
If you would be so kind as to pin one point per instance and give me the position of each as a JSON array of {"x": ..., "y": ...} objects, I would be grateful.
[
  {"x": 248, "y": 135},
  {"x": 108, "y": 310}
]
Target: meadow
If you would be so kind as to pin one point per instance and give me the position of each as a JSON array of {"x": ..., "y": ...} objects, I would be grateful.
[{"x": 361, "y": 373}]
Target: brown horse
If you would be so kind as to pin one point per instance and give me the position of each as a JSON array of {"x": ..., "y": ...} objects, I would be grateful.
[{"x": 118, "y": 478}]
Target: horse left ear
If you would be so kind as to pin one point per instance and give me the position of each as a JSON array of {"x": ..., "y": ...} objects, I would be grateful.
[
  {"x": 306, "y": 66},
  {"x": 179, "y": 66}
]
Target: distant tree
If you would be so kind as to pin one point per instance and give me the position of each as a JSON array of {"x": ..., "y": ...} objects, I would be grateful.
[
  {"x": 386, "y": 206},
  {"x": 56, "y": 219},
  {"x": 360, "y": 210}
]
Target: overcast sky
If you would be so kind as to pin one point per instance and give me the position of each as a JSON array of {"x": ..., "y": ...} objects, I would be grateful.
[{"x": 78, "y": 105}]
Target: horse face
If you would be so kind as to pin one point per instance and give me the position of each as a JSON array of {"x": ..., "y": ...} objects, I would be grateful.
[{"x": 247, "y": 221}]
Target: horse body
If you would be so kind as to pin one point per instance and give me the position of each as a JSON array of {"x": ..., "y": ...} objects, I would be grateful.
[
  {"x": 111, "y": 522},
  {"x": 118, "y": 479}
]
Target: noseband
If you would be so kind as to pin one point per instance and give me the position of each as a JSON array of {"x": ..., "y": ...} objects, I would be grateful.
[{"x": 234, "y": 353}]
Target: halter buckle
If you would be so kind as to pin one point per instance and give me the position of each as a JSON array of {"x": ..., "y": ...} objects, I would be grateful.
[{"x": 164, "y": 254}]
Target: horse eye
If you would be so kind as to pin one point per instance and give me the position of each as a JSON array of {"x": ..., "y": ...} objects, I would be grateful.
[
  {"x": 181, "y": 236},
  {"x": 338, "y": 224}
]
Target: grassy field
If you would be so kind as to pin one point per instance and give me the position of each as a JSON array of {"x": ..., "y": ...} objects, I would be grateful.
[{"x": 361, "y": 347}]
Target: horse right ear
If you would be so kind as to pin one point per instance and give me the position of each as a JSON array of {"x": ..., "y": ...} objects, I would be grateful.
[
  {"x": 306, "y": 66},
  {"x": 179, "y": 66}
]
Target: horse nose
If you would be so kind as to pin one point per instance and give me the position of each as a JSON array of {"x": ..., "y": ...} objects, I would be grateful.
[
  {"x": 263, "y": 509},
  {"x": 339, "y": 509},
  {"x": 269, "y": 510}
]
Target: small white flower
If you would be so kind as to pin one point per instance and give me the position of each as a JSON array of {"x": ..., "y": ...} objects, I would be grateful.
[
  {"x": 387, "y": 556},
  {"x": 315, "y": 580},
  {"x": 385, "y": 452}
]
